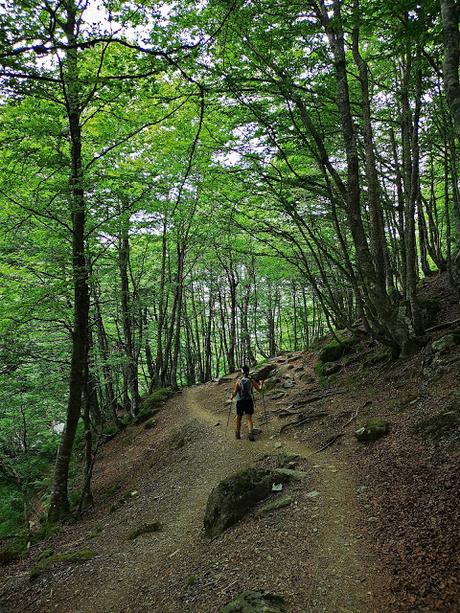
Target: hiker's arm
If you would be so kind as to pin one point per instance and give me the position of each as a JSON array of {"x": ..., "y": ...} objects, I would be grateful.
[{"x": 235, "y": 390}]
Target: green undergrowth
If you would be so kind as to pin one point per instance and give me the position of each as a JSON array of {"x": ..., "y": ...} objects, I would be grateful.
[
  {"x": 151, "y": 404},
  {"x": 336, "y": 349},
  {"x": 324, "y": 379}
]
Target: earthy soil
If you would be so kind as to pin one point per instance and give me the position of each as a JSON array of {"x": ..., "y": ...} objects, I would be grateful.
[
  {"x": 313, "y": 553},
  {"x": 381, "y": 535}
]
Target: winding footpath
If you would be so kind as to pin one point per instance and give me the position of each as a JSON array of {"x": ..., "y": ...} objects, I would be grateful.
[{"x": 312, "y": 553}]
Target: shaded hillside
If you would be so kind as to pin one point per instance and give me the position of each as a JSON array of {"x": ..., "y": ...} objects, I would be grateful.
[{"x": 373, "y": 526}]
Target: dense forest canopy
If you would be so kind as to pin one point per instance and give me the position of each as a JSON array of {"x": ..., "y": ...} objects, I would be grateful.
[{"x": 186, "y": 187}]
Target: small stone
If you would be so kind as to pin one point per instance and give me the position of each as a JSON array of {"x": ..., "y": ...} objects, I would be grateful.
[
  {"x": 313, "y": 494},
  {"x": 278, "y": 445},
  {"x": 278, "y": 503},
  {"x": 297, "y": 475}
]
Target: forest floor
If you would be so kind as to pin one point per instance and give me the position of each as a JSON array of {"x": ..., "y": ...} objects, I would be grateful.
[{"x": 372, "y": 528}]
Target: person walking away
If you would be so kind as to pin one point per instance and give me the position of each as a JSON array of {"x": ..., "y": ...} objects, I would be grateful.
[{"x": 243, "y": 391}]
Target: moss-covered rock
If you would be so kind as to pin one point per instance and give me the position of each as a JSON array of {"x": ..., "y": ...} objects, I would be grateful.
[
  {"x": 255, "y": 601},
  {"x": 336, "y": 349},
  {"x": 331, "y": 369},
  {"x": 148, "y": 528},
  {"x": 289, "y": 473},
  {"x": 372, "y": 430},
  {"x": 233, "y": 497},
  {"x": 263, "y": 372},
  {"x": 287, "y": 460},
  {"x": 331, "y": 352},
  {"x": 271, "y": 383},
  {"x": 151, "y": 404},
  {"x": 73, "y": 557},
  {"x": 446, "y": 342}
]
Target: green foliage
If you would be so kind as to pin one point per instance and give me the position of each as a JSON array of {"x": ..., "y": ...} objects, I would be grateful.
[
  {"x": 11, "y": 511},
  {"x": 319, "y": 368},
  {"x": 336, "y": 349},
  {"x": 150, "y": 404},
  {"x": 46, "y": 553}
]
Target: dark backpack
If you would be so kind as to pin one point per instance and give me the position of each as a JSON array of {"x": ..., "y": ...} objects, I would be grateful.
[{"x": 245, "y": 388}]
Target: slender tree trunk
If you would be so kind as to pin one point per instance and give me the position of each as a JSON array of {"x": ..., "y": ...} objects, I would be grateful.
[
  {"x": 127, "y": 319},
  {"x": 59, "y": 506}
]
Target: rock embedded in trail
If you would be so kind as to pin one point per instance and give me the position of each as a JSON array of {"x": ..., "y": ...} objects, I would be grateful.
[
  {"x": 287, "y": 460},
  {"x": 233, "y": 497},
  {"x": 278, "y": 503},
  {"x": 296, "y": 475},
  {"x": 372, "y": 430},
  {"x": 145, "y": 529},
  {"x": 255, "y": 601}
]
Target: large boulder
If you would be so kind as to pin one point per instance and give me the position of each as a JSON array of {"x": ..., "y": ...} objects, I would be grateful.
[
  {"x": 255, "y": 601},
  {"x": 233, "y": 497},
  {"x": 263, "y": 372},
  {"x": 334, "y": 350}
]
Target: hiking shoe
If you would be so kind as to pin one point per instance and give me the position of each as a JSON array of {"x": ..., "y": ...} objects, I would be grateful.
[
  {"x": 251, "y": 437},
  {"x": 237, "y": 435}
]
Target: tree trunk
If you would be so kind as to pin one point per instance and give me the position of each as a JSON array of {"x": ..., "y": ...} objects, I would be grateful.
[
  {"x": 450, "y": 17},
  {"x": 59, "y": 506},
  {"x": 126, "y": 315}
]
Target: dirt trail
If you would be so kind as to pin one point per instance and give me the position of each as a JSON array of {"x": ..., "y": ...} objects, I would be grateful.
[{"x": 312, "y": 552}]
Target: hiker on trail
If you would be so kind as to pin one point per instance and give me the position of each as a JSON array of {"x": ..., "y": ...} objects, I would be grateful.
[{"x": 245, "y": 400}]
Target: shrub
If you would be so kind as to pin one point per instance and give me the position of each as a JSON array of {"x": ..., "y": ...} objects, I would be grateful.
[{"x": 150, "y": 404}]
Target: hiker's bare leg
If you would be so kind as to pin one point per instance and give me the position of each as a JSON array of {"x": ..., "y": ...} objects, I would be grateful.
[
  {"x": 238, "y": 424},
  {"x": 250, "y": 424}
]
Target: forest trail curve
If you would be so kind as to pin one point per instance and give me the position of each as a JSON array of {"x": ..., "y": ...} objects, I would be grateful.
[{"x": 311, "y": 552}]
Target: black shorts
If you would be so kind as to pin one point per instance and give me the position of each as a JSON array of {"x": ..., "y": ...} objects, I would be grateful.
[{"x": 245, "y": 406}]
